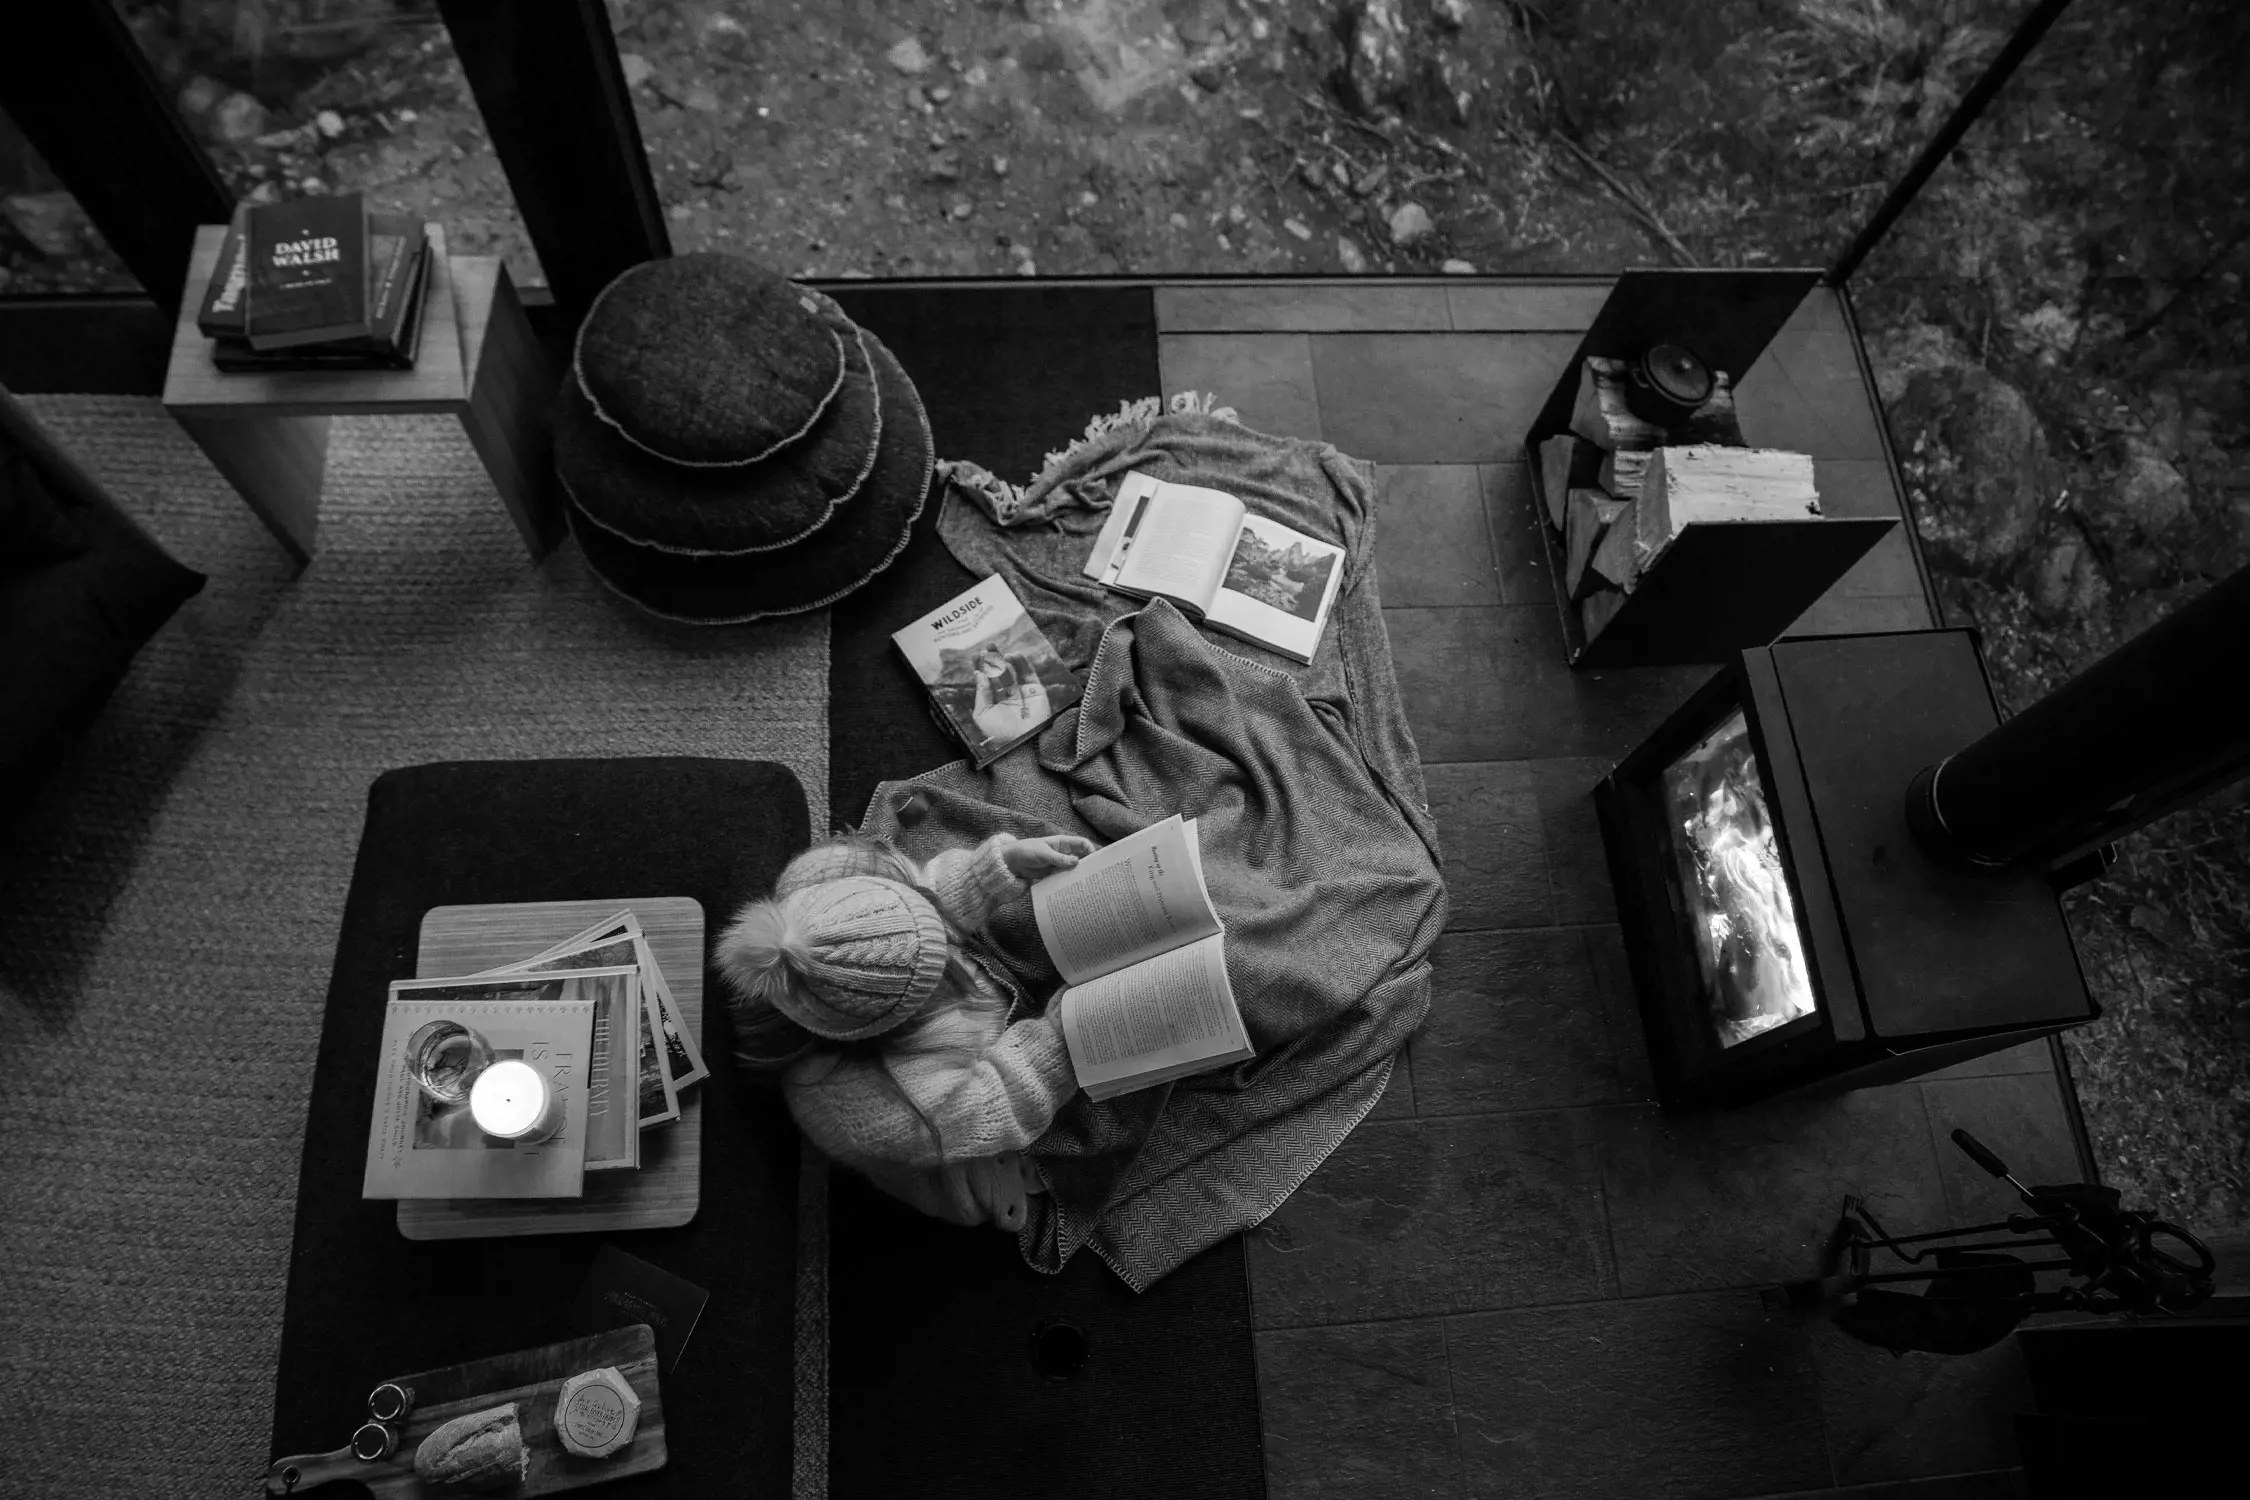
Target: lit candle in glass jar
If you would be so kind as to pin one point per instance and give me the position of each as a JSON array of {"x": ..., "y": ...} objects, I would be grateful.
[{"x": 511, "y": 1100}]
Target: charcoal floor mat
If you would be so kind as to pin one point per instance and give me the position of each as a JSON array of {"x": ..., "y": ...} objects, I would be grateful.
[
  {"x": 363, "y": 1302},
  {"x": 957, "y": 1370},
  {"x": 932, "y": 1386},
  {"x": 1009, "y": 374}
]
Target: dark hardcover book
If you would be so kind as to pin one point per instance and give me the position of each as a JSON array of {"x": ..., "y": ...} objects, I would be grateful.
[
  {"x": 400, "y": 270},
  {"x": 239, "y": 358},
  {"x": 622, "y": 1290},
  {"x": 396, "y": 243},
  {"x": 400, "y": 329},
  {"x": 390, "y": 269},
  {"x": 307, "y": 272},
  {"x": 221, "y": 313}
]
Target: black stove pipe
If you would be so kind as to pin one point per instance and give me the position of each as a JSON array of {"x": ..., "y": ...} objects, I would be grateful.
[{"x": 2160, "y": 721}]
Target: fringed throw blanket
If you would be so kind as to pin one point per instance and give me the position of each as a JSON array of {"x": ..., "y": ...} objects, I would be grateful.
[{"x": 1317, "y": 845}]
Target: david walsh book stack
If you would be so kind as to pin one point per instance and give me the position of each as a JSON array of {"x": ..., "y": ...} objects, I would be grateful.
[{"x": 317, "y": 284}]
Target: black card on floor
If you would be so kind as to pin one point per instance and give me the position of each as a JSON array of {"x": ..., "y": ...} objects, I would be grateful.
[{"x": 622, "y": 1290}]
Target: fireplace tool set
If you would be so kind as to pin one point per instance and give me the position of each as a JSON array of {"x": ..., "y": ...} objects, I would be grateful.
[{"x": 1974, "y": 1295}]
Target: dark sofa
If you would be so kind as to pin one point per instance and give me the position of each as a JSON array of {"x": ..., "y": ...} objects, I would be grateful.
[{"x": 82, "y": 586}]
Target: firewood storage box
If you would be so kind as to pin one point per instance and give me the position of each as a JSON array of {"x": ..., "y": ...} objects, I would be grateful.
[{"x": 1720, "y": 586}]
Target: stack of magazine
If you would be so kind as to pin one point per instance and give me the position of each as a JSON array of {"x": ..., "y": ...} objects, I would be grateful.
[
  {"x": 317, "y": 284},
  {"x": 593, "y": 1013}
]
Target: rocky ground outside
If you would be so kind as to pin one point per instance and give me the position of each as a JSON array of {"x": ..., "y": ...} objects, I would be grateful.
[{"x": 2057, "y": 326}]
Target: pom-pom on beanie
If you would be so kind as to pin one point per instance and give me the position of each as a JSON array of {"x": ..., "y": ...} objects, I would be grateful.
[{"x": 846, "y": 959}]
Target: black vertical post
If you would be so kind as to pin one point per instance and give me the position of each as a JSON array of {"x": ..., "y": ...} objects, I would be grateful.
[
  {"x": 1980, "y": 94},
  {"x": 75, "y": 82},
  {"x": 547, "y": 78}
]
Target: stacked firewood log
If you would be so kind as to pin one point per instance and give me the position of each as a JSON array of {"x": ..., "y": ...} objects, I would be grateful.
[{"x": 1619, "y": 488}]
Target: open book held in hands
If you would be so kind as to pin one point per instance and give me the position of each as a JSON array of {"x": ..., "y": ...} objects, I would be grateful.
[
  {"x": 1133, "y": 931},
  {"x": 1204, "y": 551}
]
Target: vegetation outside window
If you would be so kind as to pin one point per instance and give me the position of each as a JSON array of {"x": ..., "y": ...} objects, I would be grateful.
[
  {"x": 2058, "y": 330},
  {"x": 1256, "y": 137},
  {"x": 47, "y": 244},
  {"x": 292, "y": 97}
]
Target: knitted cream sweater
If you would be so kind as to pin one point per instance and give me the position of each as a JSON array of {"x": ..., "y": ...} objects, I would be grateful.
[{"x": 925, "y": 1128}]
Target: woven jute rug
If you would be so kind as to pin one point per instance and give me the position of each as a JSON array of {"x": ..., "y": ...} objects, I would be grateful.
[{"x": 169, "y": 911}]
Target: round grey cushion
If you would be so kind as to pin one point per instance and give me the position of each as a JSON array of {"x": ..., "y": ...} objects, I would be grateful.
[
  {"x": 750, "y": 508},
  {"x": 707, "y": 359},
  {"x": 865, "y": 535}
]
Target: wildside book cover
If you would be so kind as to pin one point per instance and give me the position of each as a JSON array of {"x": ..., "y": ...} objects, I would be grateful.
[{"x": 308, "y": 272}]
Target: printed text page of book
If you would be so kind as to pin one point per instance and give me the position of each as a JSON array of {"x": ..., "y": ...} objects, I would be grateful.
[
  {"x": 1136, "y": 898},
  {"x": 1175, "y": 1008},
  {"x": 1181, "y": 547}
]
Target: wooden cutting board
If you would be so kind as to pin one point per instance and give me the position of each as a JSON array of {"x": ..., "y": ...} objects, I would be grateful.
[
  {"x": 532, "y": 1378},
  {"x": 668, "y": 1187}
]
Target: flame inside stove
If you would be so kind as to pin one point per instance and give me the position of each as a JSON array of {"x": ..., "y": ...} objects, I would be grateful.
[{"x": 1726, "y": 865}]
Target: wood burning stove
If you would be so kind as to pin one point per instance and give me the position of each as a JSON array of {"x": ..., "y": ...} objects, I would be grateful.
[{"x": 1786, "y": 930}]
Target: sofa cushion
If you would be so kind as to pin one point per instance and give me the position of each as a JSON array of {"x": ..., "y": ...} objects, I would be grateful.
[
  {"x": 70, "y": 625},
  {"x": 34, "y": 527}
]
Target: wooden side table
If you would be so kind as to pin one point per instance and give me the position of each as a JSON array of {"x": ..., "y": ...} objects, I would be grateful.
[{"x": 267, "y": 432}]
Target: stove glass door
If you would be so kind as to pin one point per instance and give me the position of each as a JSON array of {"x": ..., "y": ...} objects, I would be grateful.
[{"x": 1732, "y": 893}]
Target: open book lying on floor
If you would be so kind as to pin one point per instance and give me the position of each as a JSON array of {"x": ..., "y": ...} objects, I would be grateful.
[
  {"x": 1133, "y": 931},
  {"x": 1204, "y": 551}
]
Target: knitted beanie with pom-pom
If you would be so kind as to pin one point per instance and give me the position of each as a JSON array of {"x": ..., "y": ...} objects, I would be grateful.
[{"x": 845, "y": 959}]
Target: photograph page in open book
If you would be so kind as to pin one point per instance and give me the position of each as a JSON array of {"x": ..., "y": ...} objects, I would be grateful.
[
  {"x": 1206, "y": 552},
  {"x": 1132, "y": 930}
]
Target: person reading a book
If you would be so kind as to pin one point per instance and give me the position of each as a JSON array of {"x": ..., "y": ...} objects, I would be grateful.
[
  {"x": 1010, "y": 697},
  {"x": 858, "y": 982}
]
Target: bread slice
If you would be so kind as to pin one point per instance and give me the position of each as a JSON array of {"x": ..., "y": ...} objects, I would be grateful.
[{"x": 483, "y": 1450}]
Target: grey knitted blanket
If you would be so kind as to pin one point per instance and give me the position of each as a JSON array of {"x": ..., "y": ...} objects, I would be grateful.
[{"x": 1317, "y": 844}]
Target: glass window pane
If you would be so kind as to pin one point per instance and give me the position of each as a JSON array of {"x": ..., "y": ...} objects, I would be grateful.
[
  {"x": 337, "y": 96},
  {"x": 47, "y": 244},
  {"x": 1155, "y": 137},
  {"x": 2058, "y": 328}
]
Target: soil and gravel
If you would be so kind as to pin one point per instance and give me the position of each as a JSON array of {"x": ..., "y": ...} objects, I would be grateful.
[{"x": 2058, "y": 325}]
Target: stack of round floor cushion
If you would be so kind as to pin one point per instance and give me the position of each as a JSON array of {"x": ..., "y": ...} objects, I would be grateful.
[{"x": 731, "y": 446}]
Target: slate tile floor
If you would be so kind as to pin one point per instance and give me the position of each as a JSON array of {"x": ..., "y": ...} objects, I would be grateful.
[{"x": 1520, "y": 1277}]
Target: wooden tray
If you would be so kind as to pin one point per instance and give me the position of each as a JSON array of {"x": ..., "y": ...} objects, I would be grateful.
[
  {"x": 667, "y": 1189},
  {"x": 532, "y": 1378}
]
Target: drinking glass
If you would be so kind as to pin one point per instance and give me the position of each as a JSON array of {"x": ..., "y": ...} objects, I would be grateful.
[{"x": 446, "y": 1058}]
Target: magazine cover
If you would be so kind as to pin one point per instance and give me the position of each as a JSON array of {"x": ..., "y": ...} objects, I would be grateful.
[{"x": 989, "y": 669}]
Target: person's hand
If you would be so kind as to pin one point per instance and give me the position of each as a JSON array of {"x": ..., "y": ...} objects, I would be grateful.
[
  {"x": 1029, "y": 859},
  {"x": 999, "y": 1186}
]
